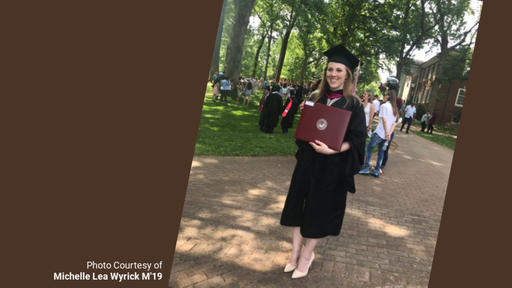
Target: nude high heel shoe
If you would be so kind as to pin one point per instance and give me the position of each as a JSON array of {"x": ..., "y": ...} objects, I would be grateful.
[
  {"x": 289, "y": 268},
  {"x": 297, "y": 274}
]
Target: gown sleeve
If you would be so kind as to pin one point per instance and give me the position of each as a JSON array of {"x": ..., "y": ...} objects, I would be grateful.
[{"x": 356, "y": 136}]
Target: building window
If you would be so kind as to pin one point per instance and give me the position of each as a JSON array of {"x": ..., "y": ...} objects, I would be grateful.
[{"x": 459, "y": 101}]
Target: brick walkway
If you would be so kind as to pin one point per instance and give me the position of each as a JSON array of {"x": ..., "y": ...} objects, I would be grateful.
[{"x": 230, "y": 234}]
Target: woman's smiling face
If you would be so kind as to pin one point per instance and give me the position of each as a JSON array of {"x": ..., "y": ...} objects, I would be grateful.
[{"x": 336, "y": 74}]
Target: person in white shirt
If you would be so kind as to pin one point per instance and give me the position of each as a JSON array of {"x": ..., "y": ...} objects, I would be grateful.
[
  {"x": 410, "y": 111},
  {"x": 376, "y": 104},
  {"x": 388, "y": 116},
  {"x": 424, "y": 120},
  {"x": 369, "y": 111}
]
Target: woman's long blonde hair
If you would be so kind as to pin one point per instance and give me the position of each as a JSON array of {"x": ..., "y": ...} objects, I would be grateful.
[{"x": 347, "y": 87}]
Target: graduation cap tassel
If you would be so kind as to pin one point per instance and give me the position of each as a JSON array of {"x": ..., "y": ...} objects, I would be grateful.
[{"x": 356, "y": 76}]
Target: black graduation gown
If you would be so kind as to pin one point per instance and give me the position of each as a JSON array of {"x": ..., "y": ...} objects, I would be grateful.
[
  {"x": 287, "y": 121},
  {"x": 271, "y": 111},
  {"x": 318, "y": 190}
]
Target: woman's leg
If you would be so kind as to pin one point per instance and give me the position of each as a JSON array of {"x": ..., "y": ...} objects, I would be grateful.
[
  {"x": 380, "y": 156},
  {"x": 296, "y": 246},
  {"x": 373, "y": 141},
  {"x": 386, "y": 151},
  {"x": 306, "y": 254}
]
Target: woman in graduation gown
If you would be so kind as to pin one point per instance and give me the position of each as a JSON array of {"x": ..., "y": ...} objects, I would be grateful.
[
  {"x": 271, "y": 109},
  {"x": 317, "y": 196},
  {"x": 289, "y": 109}
]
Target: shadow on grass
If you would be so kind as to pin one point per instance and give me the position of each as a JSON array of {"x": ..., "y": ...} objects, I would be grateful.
[{"x": 233, "y": 130}]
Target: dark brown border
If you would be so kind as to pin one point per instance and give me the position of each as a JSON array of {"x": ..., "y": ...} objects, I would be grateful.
[
  {"x": 99, "y": 118},
  {"x": 101, "y": 104},
  {"x": 473, "y": 248}
]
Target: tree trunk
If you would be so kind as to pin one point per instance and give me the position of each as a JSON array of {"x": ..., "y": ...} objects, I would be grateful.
[
  {"x": 399, "y": 67},
  {"x": 257, "y": 56},
  {"x": 304, "y": 67},
  {"x": 214, "y": 67},
  {"x": 243, "y": 9},
  {"x": 265, "y": 74},
  {"x": 284, "y": 45}
]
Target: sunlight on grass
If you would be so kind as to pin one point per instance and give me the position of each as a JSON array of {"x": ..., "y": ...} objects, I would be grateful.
[
  {"x": 232, "y": 130},
  {"x": 447, "y": 141}
]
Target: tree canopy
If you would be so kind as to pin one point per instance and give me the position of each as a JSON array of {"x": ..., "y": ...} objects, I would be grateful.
[{"x": 285, "y": 38}]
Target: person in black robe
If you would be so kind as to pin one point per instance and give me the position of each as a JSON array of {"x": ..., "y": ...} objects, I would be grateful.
[
  {"x": 266, "y": 93},
  {"x": 315, "y": 204},
  {"x": 287, "y": 120},
  {"x": 272, "y": 109}
]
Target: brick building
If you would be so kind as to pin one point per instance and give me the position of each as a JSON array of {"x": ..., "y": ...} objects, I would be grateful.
[{"x": 419, "y": 86}]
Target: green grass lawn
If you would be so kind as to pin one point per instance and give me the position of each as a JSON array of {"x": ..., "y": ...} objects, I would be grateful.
[
  {"x": 233, "y": 130},
  {"x": 447, "y": 138},
  {"x": 447, "y": 141}
]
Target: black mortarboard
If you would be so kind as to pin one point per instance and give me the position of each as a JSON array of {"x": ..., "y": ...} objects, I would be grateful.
[{"x": 340, "y": 54}]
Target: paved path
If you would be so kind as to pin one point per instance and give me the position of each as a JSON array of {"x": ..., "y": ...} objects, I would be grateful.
[{"x": 230, "y": 234}]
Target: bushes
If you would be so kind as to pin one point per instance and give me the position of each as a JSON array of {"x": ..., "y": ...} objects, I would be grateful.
[{"x": 420, "y": 110}]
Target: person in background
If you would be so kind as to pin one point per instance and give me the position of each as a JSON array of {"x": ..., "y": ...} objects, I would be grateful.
[
  {"x": 425, "y": 120},
  {"x": 369, "y": 110},
  {"x": 376, "y": 104},
  {"x": 299, "y": 92},
  {"x": 410, "y": 111},
  {"x": 399, "y": 103},
  {"x": 247, "y": 92},
  {"x": 289, "y": 110},
  {"x": 284, "y": 91},
  {"x": 431, "y": 123},
  {"x": 215, "y": 86},
  {"x": 313, "y": 90},
  {"x": 266, "y": 92},
  {"x": 388, "y": 115},
  {"x": 225, "y": 88},
  {"x": 391, "y": 84},
  {"x": 271, "y": 109}
]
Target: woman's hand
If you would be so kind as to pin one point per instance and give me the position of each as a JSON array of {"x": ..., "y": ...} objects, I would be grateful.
[
  {"x": 301, "y": 106},
  {"x": 322, "y": 148}
]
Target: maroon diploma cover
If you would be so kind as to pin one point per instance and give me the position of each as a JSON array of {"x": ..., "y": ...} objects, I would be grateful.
[{"x": 323, "y": 123}]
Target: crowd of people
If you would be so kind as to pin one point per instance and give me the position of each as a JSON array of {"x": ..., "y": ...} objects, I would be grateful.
[{"x": 281, "y": 100}]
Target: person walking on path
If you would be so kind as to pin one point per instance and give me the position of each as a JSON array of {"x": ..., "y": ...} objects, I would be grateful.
[
  {"x": 387, "y": 120},
  {"x": 410, "y": 111},
  {"x": 316, "y": 200},
  {"x": 431, "y": 123},
  {"x": 425, "y": 120},
  {"x": 392, "y": 84}
]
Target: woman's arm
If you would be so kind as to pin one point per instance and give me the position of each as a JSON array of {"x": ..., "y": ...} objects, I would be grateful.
[
  {"x": 321, "y": 147},
  {"x": 392, "y": 128},
  {"x": 372, "y": 111},
  {"x": 385, "y": 130}
]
